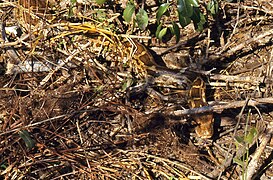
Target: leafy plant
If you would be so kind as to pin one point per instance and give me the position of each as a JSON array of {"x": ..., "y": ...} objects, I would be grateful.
[
  {"x": 245, "y": 142},
  {"x": 213, "y": 7},
  {"x": 30, "y": 143},
  {"x": 187, "y": 11},
  {"x": 72, "y": 5},
  {"x": 198, "y": 19},
  {"x": 128, "y": 12},
  {"x": 161, "y": 11},
  {"x": 162, "y": 29},
  {"x": 141, "y": 18}
]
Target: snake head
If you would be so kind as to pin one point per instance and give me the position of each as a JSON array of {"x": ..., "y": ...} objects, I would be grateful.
[{"x": 204, "y": 128}]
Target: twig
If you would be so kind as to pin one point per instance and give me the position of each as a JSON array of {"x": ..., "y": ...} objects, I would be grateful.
[
  {"x": 14, "y": 58},
  {"x": 236, "y": 104},
  {"x": 69, "y": 58},
  {"x": 248, "y": 42},
  {"x": 247, "y": 79},
  {"x": 229, "y": 42},
  {"x": 15, "y": 43},
  {"x": 220, "y": 107},
  {"x": 35, "y": 124},
  {"x": 176, "y": 163}
]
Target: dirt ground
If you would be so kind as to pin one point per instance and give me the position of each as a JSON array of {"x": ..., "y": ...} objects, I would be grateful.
[{"x": 80, "y": 98}]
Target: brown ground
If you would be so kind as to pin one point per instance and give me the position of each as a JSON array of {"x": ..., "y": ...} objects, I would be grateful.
[{"x": 94, "y": 118}]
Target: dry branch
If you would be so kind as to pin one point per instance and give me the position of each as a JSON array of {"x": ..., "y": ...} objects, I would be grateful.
[{"x": 218, "y": 108}]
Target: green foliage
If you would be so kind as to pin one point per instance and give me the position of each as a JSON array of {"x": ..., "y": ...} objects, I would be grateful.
[
  {"x": 213, "y": 7},
  {"x": 189, "y": 10},
  {"x": 161, "y": 10},
  {"x": 184, "y": 8},
  {"x": 248, "y": 138},
  {"x": 142, "y": 19},
  {"x": 100, "y": 1},
  {"x": 72, "y": 5},
  {"x": 172, "y": 178},
  {"x": 128, "y": 12},
  {"x": 30, "y": 143},
  {"x": 239, "y": 140},
  {"x": 239, "y": 162},
  {"x": 245, "y": 142},
  {"x": 127, "y": 84},
  {"x": 251, "y": 135},
  {"x": 73, "y": 1},
  {"x": 162, "y": 29},
  {"x": 162, "y": 33},
  {"x": 194, "y": 3},
  {"x": 184, "y": 21},
  {"x": 198, "y": 19},
  {"x": 175, "y": 30},
  {"x": 3, "y": 166},
  {"x": 158, "y": 29}
]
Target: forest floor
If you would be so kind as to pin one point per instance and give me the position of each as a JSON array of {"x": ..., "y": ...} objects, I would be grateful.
[{"x": 84, "y": 95}]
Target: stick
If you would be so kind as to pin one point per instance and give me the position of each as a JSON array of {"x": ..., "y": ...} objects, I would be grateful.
[{"x": 218, "y": 108}]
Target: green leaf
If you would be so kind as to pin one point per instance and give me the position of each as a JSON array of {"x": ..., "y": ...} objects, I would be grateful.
[
  {"x": 100, "y": 15},
  {"x": 198, "y": 19},
  {"x": 213, "y": 7},
  {"x": 184, "y": 21},
  {"x": 128, "y": 12},
  {"x": 175, "y": 30},
  {"x": 184, "y": 8},
  {"x": 142, "y": 19},
  {"x": 239, "y": 139},
  {"x": 127, "y": 84},
  {"x": 158, "y": 29},
  {"x": 3, "y": 166},
  {"x": 162, "y": 33},
  {"x": 30, "y": 143},
  {"x": 196, "y": 15},
  {"x": 193, "y": 3},
  {"x": 100, "y": 2},
  {"x": 161, "y": 10},
  {"x": 70, "y": 10},
  {"x": 173, "y": 178},
  {"x": 251, "y": 135},
  {"x": 200, "y": 25},
  {"x": 99, "y": 89},
  {"x": 239, "y": 162}
]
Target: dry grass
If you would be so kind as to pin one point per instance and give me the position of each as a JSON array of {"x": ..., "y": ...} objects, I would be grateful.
[{"x": 75, "y": 102}]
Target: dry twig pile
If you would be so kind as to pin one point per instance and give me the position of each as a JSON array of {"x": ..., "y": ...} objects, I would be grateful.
[{"x": 81, "y": 99}]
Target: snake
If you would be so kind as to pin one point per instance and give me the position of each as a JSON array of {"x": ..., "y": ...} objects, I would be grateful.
[
  {"x": 197, "y": 98},
  {"x": 196, "y": 94}
]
